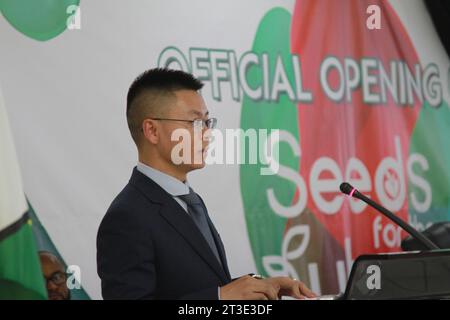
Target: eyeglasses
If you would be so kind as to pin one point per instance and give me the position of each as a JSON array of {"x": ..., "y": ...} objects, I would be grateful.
[
  {"x": 57, "y": 278},
  {"x": 210, "y": 123}
]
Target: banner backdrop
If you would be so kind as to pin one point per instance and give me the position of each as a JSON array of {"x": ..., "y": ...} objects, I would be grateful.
[
  {"x": 352, "y": 103},
  {"x": 20, "y": 270}
]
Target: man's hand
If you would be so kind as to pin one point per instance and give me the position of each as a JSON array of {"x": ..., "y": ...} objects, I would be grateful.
[
  {"x": 248, "y": 288},
  {"x": 291, "y": 287}
]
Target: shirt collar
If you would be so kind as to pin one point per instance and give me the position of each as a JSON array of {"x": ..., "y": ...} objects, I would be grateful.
[{"x": 170, "y": 184}]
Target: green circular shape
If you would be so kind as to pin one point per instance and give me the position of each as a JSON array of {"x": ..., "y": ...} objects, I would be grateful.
[
  {"x": 265, "y": 228},
  {"x": 38, "y": 19}
]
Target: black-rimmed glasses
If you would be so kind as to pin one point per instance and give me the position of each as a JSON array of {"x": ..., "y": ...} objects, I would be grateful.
[{"x": 210, "y": 123}]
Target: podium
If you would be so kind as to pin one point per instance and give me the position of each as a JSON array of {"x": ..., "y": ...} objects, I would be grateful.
[{"x": 406, "y": 275}]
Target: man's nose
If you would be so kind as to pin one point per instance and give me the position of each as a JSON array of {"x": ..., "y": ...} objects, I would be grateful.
[{"x": 51, "y": 285}]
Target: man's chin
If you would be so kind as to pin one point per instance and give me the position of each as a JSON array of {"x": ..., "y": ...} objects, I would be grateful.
[
  {"x": 195, "y": 166},
  {"x": 198, "y": 162},
  {"x": 55, "y": 296}
]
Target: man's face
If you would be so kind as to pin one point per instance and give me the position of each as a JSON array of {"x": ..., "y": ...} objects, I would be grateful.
[
  {"x": 55, "y": 277},
  {"x": 188, "y": 105}
]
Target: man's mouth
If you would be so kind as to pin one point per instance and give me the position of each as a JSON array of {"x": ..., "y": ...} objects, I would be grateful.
[{"x": 55, "y": 296}]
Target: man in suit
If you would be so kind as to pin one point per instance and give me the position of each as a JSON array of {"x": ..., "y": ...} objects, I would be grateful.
[
  {"x": 156, "y": 240},
  {"x": 55, "y": 276}
]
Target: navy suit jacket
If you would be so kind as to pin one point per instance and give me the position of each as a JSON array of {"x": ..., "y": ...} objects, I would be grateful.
[{"x": 148, "y": 247}]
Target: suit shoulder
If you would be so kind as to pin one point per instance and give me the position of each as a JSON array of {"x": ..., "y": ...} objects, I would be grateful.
[{"x": 129, "y": 207}]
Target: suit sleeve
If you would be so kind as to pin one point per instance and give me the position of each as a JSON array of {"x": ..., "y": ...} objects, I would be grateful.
[{"x": 125, "y": 258}]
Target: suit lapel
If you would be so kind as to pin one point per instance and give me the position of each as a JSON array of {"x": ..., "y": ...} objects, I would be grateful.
[
  {"x": 218, "y": 241},
  {"x": 183, "y": 224},
  {"x": 220, "y": 247},
  {"x": 175, "y": 215}
]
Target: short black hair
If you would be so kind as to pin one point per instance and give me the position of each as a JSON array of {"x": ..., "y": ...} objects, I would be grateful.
[{"x": 144, "y": 94}]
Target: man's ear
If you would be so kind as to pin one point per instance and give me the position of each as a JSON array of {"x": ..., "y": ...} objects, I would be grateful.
[{"x": 150, "y": 131}]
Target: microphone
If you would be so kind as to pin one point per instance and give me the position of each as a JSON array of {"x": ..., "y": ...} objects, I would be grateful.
[{"x": 348, "y": 189}]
